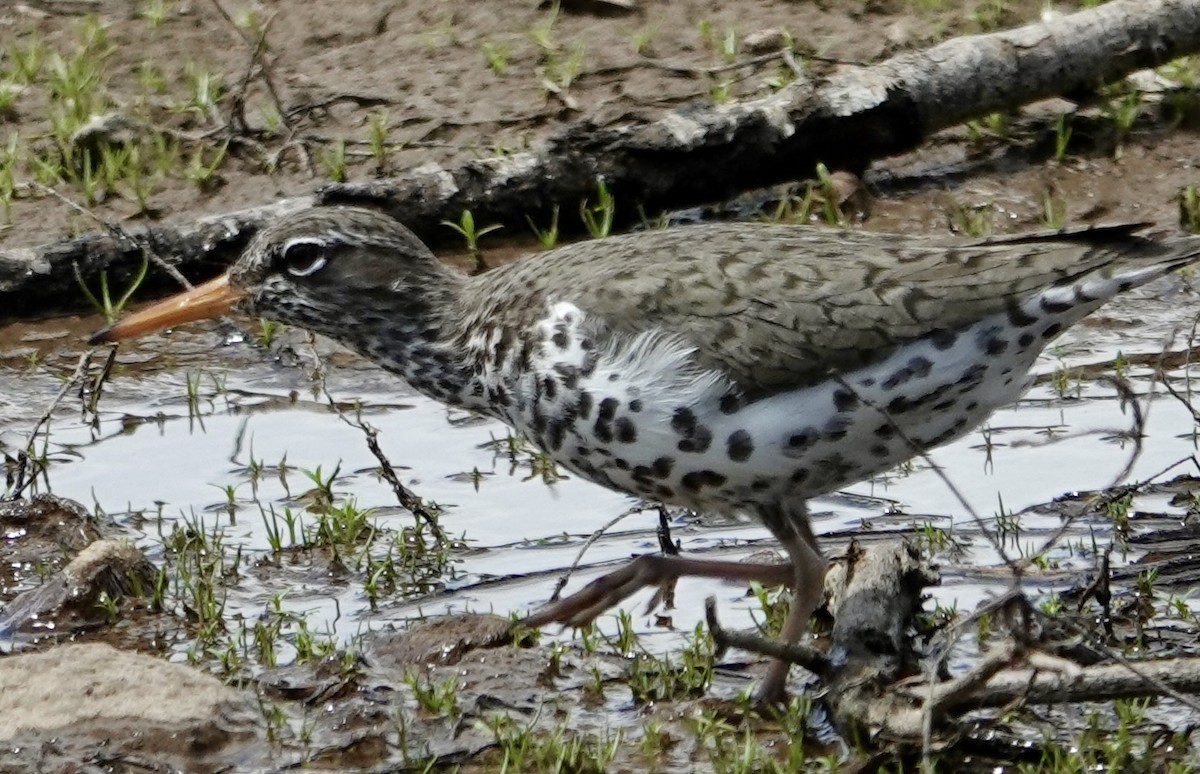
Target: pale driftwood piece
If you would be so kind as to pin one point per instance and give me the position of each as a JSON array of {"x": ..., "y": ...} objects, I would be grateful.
[
  {"x": 872, "y": 697},
  {"x": 696, "y": 155},
  {"x": 692, "y": 155}
]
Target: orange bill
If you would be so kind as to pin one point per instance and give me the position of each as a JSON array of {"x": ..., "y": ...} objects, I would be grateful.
[{"x": 211, "y": 299}]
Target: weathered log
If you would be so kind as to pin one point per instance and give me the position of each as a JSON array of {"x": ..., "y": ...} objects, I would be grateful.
[
  {"x": 877, "y": 693},
  {"x": 692, "y": 155}
]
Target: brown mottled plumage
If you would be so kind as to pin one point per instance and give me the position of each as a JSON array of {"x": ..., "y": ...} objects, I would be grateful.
[{"x": 726, "y": 366}]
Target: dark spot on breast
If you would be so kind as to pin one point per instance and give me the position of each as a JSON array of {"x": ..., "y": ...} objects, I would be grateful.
[
  {"x": 560, "y": 339},
  {"x": 972, "y": 405},
  {"x": 972, "y": 376},
  {"x": 589, "y": 361},
  {"x": 549, "y": 387},
  {"x": 635, "y": 405},
  {"x": 995, "y": 346},
  {"x": 626, "y": 430},
  {"x": 885, "y": 431},
  {"x": 868, "y": 382},
  {"x": 943, "y": 405},
  {"x": 555, "y": 431},
  {"x": 760, "y": 485},
  {"x": 1052, "y": 330},
  {"x": 698, "y": 442},
  {"x": 942, "y": 338},
  {"x": 662, "y": 466},
  {"x": 698, "y": 479},
  {"x": 683, "y": 421},
  {"x": 799, "y": 476},
  {"x": 835, "y": 429},
  {"x": 1025, "y": 339},
  {"x": 621, "y": 463},
  {"x": 603, "y": 431},
  {"x": 920, "y": 366},
  {"x": 608, "y": 409},
  {"x": 880, "y": 450},
  {"x": 730, "y": 403},
  {"x": 584, "y": 405},
  {"x": 569, "y": 377},
  {"x": 844, "y": 400},
  {"x": 899, "y": 405},
  {"x": 797, "y": 442},
  {"x": 739, "y": 445},
  {"x": 898, "y": 377},
  {"x": 664, "y": 492}
]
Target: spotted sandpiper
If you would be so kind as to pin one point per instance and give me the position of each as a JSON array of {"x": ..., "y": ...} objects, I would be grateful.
[{"x": 724, "y": 367}]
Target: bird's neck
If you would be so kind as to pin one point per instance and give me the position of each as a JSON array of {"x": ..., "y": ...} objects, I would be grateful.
[{"x": 417, "y": 340}]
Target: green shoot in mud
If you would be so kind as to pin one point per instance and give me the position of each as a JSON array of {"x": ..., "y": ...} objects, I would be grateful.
[
  {"x": 438, "y": 698},
  {"x": 104, "y": 304},
  {"x": 379, "y": 128},
  {"x": 973, "y": 221},
  {"x": 333, "y": 160},
  {"x": 522, "y": 748},
  {"x": 204, "y": 172},
  {"x": 496, "y": 54},
  {"x": 267, "y": 331},
  {"x": 1062, "y": 136},
  {"x": 598, "y": 217},
  {"x": 681, "y": 674},
  {"x": 1189, "y": 208},
  {"x": 465, "y": 227},
  {"x": 548, "y": 237},
  {"x": 154, "y": 11},
  {"x": 1054, "y": 210}
]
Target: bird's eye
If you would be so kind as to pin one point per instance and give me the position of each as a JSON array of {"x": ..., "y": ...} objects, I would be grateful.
[{"x": 303, "y": 257}]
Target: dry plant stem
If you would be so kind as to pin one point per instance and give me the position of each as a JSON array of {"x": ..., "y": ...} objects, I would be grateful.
[
  {"x": 991, "y": 684},
  {"x": 25, "y": 454},
  {"x": 796, "y": 653},
  {"x": 405, "y": 496},
  {"x": 121, "y": 235},
  {"x": 566, "y": 576}
]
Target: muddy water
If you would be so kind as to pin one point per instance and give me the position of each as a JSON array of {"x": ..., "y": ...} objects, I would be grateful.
[{"x": 151, "y": 460}]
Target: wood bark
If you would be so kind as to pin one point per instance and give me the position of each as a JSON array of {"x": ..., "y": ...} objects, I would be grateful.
[
  {"x": 690, "y": 156},
  {"x": 877, "y": 693}
]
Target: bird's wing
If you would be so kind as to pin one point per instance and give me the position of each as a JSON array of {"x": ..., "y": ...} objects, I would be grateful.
[{"x": 781, "y": 306}]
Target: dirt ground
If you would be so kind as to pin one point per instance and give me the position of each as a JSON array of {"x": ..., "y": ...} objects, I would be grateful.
[
  {"x": 418, "y": 82},
  {"x": 222, "y": 105}
]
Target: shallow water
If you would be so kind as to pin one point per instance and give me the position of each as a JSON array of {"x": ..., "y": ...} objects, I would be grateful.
[{"x": 148, "y": 453}]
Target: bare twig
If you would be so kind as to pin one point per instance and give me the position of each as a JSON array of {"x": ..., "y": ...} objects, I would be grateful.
[{"x": 795, "y": 653}]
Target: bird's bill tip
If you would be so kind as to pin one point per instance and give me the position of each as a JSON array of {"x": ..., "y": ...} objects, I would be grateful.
[{"x": 211, "y": 299}]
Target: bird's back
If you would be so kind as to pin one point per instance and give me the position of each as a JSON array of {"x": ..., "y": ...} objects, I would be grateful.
[{"x": 726, "y": 364}]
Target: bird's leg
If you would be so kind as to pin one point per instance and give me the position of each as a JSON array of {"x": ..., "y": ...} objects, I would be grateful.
[
  {"x": 808, "y": 568},
  {"x": 585, "y": 605}
]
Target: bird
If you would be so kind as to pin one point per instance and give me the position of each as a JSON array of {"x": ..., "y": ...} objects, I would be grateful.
[{"x": 729, "y": 367}]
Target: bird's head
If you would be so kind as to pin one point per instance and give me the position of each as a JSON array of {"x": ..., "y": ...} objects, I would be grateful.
[{"x": 334, "y": 270}]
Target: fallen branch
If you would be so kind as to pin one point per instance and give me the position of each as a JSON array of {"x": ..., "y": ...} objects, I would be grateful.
[{"x": 691, "y": 155}]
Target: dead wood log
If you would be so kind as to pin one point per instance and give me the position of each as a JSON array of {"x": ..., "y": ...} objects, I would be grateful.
[
  {"x": 692, "y": 155},
  {"x": 877, "y": 693},
  {"x": 847, "y": 120}
]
